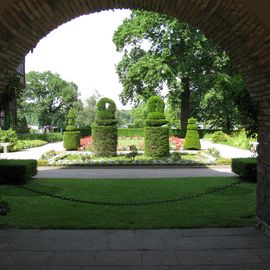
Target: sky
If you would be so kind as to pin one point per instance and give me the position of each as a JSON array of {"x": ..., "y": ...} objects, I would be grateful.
[{"x": 82, "y": 51}]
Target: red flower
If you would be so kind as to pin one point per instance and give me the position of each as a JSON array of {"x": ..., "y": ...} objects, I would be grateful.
[
  {"x": 85, "y": 142},
  {"x": 177, "y": 142}
]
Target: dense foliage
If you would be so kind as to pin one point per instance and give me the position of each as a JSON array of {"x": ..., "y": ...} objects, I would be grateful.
[
  {"x": 156, "y": 132},
  {"x": 104, "y": 129},
  {"x": 159, "y": 52},
  {"x": 47, "y": 98}
]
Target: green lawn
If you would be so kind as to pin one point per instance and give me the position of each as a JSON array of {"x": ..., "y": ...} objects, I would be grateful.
[{"x": 229, "y": 208}]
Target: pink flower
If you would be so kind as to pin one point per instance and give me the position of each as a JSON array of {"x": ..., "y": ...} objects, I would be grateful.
[
  {"x": 177, "y": 142},
  {"x": 85, "y": 142}
]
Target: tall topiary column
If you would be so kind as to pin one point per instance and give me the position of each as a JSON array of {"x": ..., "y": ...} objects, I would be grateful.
[
  {"x": 71, "y": 135},
  {"x": 104, "y": 129},
  {"x": 156, "y": 131},
  {"x": 192, "y": 139}
]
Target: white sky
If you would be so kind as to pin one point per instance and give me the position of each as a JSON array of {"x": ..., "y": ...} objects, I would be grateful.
[{"x": 82, "y": 51}]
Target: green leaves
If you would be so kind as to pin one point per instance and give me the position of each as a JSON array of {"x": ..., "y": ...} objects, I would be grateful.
[{"x": 48, "y": 97}]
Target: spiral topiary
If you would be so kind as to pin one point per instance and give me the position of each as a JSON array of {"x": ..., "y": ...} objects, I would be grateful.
[
  {"x": 156, "y": 131},
  {"x": 104, "y": 129},
  {"x": 192, "y": 139},
  {"x": 71, "y": 135}
]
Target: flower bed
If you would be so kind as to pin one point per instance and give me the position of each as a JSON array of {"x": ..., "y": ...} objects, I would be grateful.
[{"x": 125, "y": 142}]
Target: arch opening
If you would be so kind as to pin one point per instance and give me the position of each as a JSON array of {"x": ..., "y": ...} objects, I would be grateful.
[{"x": 229, "y": 23}]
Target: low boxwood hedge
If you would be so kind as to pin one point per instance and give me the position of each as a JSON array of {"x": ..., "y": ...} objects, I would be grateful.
[
  {"x": 17, "y": 172},
  {"x": 131, "y": 132},
  {"x": 245, "y": 168}
]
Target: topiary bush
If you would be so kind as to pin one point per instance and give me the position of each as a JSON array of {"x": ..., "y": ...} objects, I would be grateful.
[
  {"x": 72, "y": 140},
  {"x": 192, "y": 139},
  {"x": 71, "y": 120},
  {"x": 71, "y": 136},
  {"x": 104, "y": 129},
  {"x": 156, "y": 131}
]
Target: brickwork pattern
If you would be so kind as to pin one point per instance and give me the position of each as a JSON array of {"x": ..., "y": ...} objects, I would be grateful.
[{"x": 24, "y": 22}]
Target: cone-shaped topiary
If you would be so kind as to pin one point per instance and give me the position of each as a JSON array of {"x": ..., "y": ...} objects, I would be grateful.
[
  {"x": 71, "y": 135},
  {"x": 156, "y": 131},
  {"x": 192, "y": 139},
  {"x": 104, "y": 129}
]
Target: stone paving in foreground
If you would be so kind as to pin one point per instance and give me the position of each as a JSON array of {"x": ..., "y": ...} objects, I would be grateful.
[{"x": 195, "y": 249}]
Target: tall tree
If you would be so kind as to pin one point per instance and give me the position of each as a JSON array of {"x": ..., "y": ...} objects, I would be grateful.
[
  {"x": 49, "y": 98},
  {"x": 160, "y": 52},
  {"x": 86, "y": 112}
]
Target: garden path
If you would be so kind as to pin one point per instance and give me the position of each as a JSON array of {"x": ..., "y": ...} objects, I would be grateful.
[
  {"x": 34, "y": 153},
  {"x": 226, "y": 151}
]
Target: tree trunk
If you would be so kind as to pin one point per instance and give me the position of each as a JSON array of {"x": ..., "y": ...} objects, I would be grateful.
[{"x": 185, "y": 103}]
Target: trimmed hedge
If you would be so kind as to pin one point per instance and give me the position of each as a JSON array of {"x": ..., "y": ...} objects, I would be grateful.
[
  {"x": 104, "y": 129},
  {"x": 245, "y": 168},
  {"x": 17, "y": 172},
  {"x": 131, "y": 132},
  {"x": 181, "y": 133},
  {"x": 71, "y": 136},
  {"x": 156, "y": 142},
  {"x": 106, "y": 144},
  {"x": 72, "y": 140},
  {"x": 86, "y": 131},
  {"x": 192, "y": 139},
  {"x": 49, "y": 137},
  {"x": 156, "y": 134}
]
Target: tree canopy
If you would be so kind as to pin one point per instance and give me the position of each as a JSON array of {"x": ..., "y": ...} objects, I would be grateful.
[
  {"x": 160, "y": 52},
  {"x": 48, "y": 97}
]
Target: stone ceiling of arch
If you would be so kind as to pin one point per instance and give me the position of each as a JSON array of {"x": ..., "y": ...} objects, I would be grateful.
[{"x": 24, "y": 22}]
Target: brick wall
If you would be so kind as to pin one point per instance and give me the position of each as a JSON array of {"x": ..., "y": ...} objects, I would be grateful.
[{"x": 24, "y": 22}]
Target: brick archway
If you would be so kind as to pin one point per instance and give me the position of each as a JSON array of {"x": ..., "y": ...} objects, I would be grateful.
[{"x": 233, "y": 24}]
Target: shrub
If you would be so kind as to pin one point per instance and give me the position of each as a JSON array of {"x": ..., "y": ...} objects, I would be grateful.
[
  {"x": 130, "y": 132},
  {"x": 156, "y": 134},
  {"x": 104, "y": 129},
  {"x": 9, "y": 136},
  {"x": 245, "y": 168},
  {"x": 17, "y": 172},
  {"x": 192, "y": 139},
  {"x": 219, "y": 136},
  {"x": 133, "y": 152},
  {"x": 71, "y": 135},
  {"x": 49, "y": 137},
  {"x": 214, "y": 152},
  {"x": 54, "y": 137},
  {"x": 26, "y": 144},
  {"x": 72, "y": 140},
  {"x": 43, "y": 162}
]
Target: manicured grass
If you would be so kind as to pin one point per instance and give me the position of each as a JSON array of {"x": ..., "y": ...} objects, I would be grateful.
[
  {"x": 128, "y": 142},
  {"x": 230, "y": 208}
]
